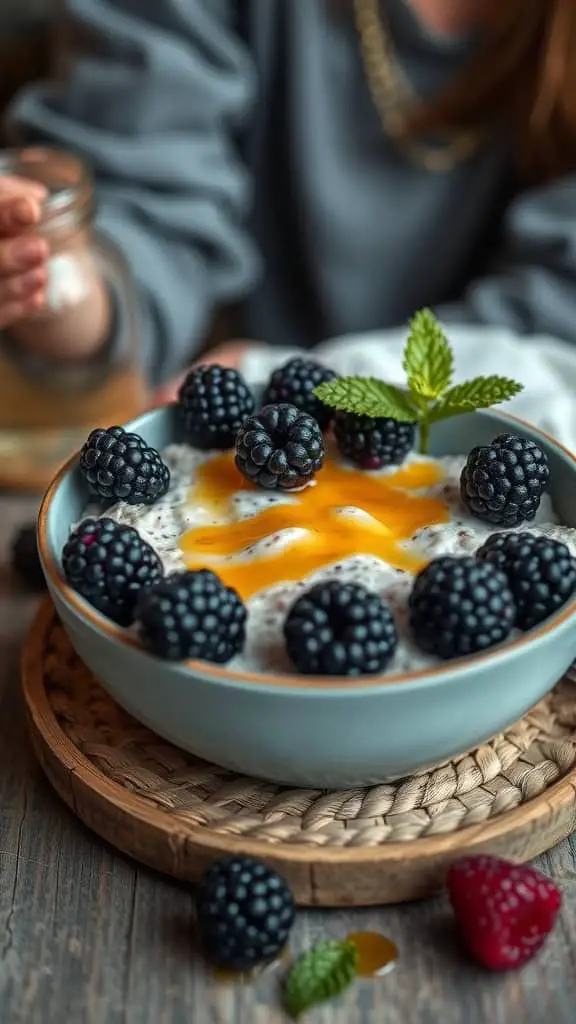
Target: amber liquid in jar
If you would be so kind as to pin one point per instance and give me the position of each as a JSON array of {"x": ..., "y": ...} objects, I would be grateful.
[{"x": 48, "y": 403}]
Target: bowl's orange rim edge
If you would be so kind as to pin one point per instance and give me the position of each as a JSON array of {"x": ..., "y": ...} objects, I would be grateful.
[{"x": 287, "y": 681}]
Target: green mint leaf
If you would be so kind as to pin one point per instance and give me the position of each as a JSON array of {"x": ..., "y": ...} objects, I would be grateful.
[
  {"x": 319, "y": 974},
  {"x": 367, "y": 396},
  {"x": 481, "y": 392},
  {"x": 428, "y": 361}
]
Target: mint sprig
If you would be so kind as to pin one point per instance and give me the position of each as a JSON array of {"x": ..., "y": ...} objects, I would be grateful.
[
  {"x": 319, "y": 974},
  {"x": 428, "y": 363}
]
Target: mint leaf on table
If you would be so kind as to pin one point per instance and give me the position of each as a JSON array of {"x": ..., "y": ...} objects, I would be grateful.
[
  {"x": 318, "y": 975},
  {"x": 428, "y": 360},
  {"x": 429, "y": 364},
  {"x": 367, "y": 396}
]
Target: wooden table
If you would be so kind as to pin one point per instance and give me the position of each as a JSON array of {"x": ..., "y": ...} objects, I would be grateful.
[{"x": 88, "y": 937}]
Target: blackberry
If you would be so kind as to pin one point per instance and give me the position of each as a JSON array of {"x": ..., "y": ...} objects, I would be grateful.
[
  {"x": 213, "y": 401},
  {"x": 503, "y": 482},
  {"x": 340, "y": 629},
  {"x": 541, "y": 573},
  {"x": 245, "y": 913},
  {"x": 110, "y": 565},
  {"x": 295, "y": 383},
  {"x": 119, "y": 466},
  {"x": 192, "y": 615},
  {"x": 459, "y": 606},
  {"x": 279, "y": 448},
  {"x": 25, "y": 558},
  {"x": 372, "y": 443}
]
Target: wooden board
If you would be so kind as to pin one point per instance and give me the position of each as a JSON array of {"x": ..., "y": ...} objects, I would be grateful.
[{"x": 515, "y": 797}]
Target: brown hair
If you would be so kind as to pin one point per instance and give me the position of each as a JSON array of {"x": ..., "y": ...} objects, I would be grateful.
[{"x": 524, "y": 81}]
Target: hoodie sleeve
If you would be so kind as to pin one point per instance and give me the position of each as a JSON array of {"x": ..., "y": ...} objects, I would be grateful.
[
  {"x": 155, "y": 97},
  {"x": 531, "y": 285}
]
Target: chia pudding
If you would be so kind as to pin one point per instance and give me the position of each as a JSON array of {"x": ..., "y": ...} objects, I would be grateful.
[{"x": 165, "y": 523}]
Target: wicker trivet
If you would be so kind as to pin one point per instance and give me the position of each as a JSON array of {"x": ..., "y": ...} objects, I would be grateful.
[{"x": 515, "y": 796}]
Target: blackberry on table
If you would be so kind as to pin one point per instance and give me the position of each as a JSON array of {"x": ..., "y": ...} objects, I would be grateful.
[
  {"x": 120, "y": 466},
  {"x": 25, "y": 558},
  {"x": 372, "y": 443},
  {"x": 110, "y": 565},
  {"x": 192, "y": 615},
  {"x": 460, "y": 606},
  {"x": 245, "y": 913},
  {"x": 340, "y": 629},
  {"x": 503, "y": 482},
  {"x": 294, "y": 383},
  {"x": 541, "y": 573},
  {"x": 280, "y": 448},
  {"x": 213, "y": 401}
]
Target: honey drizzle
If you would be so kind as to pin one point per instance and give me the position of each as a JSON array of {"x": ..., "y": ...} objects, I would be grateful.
[{"x": 394, "y": 513}]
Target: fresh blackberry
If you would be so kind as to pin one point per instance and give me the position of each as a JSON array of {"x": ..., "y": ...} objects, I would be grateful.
[
  {"x": 503, "y": 482},
  {"x": 340, "y": 629},
  {"x": 541, "y": 573},
  {"x": 295, "y": 382},
  {"x": 213, "y": 401},
  {"x": 279, "y": 448},
  {"x": 25, "y": 558},
  {"x": 459, "y": 606},
  {"x": 110, "y": 565},
  {"x": 372, "y": 443},
  {"x": 245, "y": 913},
  {"x": 119, "y": 466},
  {"x": 192, "y": 615}
]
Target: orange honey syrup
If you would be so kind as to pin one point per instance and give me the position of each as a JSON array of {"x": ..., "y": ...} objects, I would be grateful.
[{"x": 394, "y": 505}]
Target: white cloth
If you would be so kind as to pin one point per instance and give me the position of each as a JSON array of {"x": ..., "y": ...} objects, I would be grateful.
[{"x": 546, "y": 368}]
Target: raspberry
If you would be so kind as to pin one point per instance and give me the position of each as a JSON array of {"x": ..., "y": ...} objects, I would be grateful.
[
  {"x": 25, "y": 558},
  {"x": 192, "y": 615},
  {"x": 294, "y": 383},
  {"x": 121, "y": 467},
  {"x": 503, "y": 482},
  {"x": 505, "y": 911},
  {"x": 213, "y": 401},
  {"x": 110, "y": 565},
  {"x": 340, "y": 629},
  {"x": 459, "y": 606},
  {"x": 245, "y": 913},
  {"x": 280, "y": 448},
  {"x": 373, "y": 443},
  {"x": 541, "y": 573}
]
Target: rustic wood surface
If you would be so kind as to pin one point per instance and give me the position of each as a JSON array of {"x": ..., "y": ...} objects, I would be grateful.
[{"x": 89, "y": 937}]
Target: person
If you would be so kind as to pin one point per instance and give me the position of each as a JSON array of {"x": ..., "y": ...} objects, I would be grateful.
[{"x": 321, "y": 166}]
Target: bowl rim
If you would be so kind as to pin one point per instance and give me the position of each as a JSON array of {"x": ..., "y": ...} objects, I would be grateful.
[{"x": 289, "y": 681}]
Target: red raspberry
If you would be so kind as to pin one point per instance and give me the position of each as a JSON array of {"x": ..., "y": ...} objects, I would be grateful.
[{"x": 505, "y": 911}]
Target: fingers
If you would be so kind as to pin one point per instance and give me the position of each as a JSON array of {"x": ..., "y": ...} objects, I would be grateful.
[
  {"x": 17, "y": 309},
  {"x": 13, "y": 186},
  {"x": 18, "y": 214},
  {"x": 21, "y": 254}
]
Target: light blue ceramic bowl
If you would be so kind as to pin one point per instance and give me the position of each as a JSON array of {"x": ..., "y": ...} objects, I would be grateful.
[{"x": 304, "y": 731}]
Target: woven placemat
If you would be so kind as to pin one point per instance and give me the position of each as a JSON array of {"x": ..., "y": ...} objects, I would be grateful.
[{"x": 193, "y": 797}]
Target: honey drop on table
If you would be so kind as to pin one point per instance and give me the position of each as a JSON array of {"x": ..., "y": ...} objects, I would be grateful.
[
  {"x": 224, "y": 976},
  {"x": 376, "y": 954}
]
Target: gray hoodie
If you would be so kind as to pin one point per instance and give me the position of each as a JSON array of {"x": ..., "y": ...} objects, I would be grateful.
[{"x": 239, "y": 159}]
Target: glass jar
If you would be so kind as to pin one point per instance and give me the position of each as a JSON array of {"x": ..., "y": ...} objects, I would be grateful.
[{"x": 50, "y": 399}]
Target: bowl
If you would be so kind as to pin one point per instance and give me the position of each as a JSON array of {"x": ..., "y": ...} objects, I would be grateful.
[{"x": 304, "y": 731}]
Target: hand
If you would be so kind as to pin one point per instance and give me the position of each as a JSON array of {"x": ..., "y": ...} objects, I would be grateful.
[
  {"x": 228, "y": 354},
  {"x": 23, "y": 255}
]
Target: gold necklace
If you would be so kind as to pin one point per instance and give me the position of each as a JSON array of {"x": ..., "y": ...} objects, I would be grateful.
[{"x": 393, "y": 95}]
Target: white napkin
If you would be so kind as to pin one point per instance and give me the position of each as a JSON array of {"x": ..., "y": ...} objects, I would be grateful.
[{"x": 546, "y": 368}]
